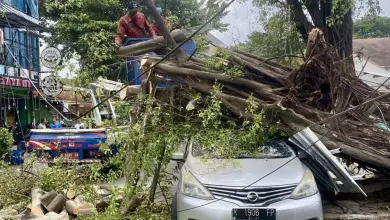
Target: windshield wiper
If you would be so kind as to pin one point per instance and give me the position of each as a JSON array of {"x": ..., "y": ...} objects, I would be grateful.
[
  {"x": 246, "y": 157},
  {"x": 274, "y": 157},
  {"x": 262, "y": 157}
]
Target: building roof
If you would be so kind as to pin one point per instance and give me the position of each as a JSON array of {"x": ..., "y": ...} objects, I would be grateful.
[
  {"x": 378, "y": 49},
  {"x": 17, "y": 19},
  {"x": 214, "y": 40}
]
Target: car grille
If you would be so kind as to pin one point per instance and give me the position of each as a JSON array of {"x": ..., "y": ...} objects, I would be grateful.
[{"x": 247, "y": 196}]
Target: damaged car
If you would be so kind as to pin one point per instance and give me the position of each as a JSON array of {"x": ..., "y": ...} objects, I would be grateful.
[
  {"x": 236, "y": 193},
  {"x": 275, "y": 184}
]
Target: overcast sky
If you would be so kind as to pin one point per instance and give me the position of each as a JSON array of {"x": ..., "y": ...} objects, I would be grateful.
[{"x": 242, "y": 19}]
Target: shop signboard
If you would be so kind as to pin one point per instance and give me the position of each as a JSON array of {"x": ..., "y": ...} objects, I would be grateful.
[
  {"x": 51, "y": 57},
  {"x": 17, "y": 78},
  {"x": 15, "y": 82},
  {"x": 51, "y": 86}
]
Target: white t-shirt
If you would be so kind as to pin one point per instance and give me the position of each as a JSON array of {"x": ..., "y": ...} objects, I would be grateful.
[
  {"x": 79, "y": 126},
  {"x": 41, "y": 126}
]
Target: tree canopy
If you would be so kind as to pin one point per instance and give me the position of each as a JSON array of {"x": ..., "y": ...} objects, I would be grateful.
[
  {"x": 278, "y": 37},
  {"x": 86, "y": 29},
  {"x": 372, "y": 27}
]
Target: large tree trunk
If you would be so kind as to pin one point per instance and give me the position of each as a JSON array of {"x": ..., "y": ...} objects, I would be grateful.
[
  {"x": 180, "y": 55},
  {"x": 338, "y": 34}
]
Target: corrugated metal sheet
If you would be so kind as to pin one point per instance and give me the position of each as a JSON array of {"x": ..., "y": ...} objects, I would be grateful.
[{"x": 322, "y": 163}]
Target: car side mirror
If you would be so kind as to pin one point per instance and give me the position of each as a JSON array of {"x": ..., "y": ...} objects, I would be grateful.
[{"x": 178, "y": 156}]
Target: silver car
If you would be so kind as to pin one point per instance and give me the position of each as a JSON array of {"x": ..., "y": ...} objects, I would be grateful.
[{"x": 233, "y": 192}]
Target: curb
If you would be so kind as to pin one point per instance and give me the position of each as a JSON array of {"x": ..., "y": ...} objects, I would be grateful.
[{"x": 357, "y": 217}]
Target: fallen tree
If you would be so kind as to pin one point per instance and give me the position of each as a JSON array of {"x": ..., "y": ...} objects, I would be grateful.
[{"x": 317, "y": 94}]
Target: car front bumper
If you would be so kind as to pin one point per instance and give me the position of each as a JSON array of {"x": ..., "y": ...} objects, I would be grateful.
[{"x": 288, "y": 209}]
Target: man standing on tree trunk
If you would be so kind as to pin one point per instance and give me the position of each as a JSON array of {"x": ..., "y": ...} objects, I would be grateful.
[{"x": 134, "y": 25}]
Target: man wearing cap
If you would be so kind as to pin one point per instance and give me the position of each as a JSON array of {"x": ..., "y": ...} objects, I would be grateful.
[{"x": 134, "y": 25}]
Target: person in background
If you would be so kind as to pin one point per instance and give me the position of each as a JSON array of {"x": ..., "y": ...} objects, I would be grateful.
[
  {"x": 154, "y": 26},
  {"x": 79, "y": 125},
  {"x": 170, "y": 25},
  {"x": 63, "y": 124},
  {"x": 42, "y": 125},
  {"x": 134, "y": 25},
  {"x": 55, "y": 124}
]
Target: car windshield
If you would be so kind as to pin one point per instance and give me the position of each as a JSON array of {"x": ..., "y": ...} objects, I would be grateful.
[{"x": 268, "y": 151}]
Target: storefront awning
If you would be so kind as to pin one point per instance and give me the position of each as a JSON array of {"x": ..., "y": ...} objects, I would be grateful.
[{"x": 17, "y": 19}]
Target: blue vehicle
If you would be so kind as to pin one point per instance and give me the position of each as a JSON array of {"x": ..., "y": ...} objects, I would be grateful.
[
  {"x": 81, "y": 146},
  {"x": 134, "y": 63}
]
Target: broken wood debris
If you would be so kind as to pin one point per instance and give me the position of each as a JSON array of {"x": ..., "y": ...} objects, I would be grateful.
[{"x": 56, "y": 206}]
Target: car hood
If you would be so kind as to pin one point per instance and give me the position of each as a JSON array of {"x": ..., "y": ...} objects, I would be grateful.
[{"x": 243, "y": 172}]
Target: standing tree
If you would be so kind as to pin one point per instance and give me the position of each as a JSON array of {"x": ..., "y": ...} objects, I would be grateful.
[
  {"x": 372, "y": 27},
  {"x": 6, "y": 141},
  {"x": 333, "y": 17},
  {"x": 278, "y": 38}
]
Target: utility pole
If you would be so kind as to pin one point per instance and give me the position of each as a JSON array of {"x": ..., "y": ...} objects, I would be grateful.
[{"x": 29, "y": 60}]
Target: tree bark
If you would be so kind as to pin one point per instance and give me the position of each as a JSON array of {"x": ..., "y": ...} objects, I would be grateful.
[
  {"x": 70, "y": 206},
  {"x": 339, "y": 35},
  {"x": 180, "y": 55},
  {"x": 261, "y": 59},
  {"x": 262, "y": 90},
  {"x": 57, "y": 204},
  {"x": 156, "y": 175},
  {"x": 133, "y": 205},
  {"x": 150, "y": 45},
  {"x": 36, "y": 195},
  {"x": 300, "y": 19}
]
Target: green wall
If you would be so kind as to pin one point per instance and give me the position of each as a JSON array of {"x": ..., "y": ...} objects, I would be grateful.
[{"x": 42, "y": 112}]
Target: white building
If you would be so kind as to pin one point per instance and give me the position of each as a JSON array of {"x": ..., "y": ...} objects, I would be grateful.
[
  {"x": 377, "y": 69},
  {"x": 213, "y": 45}
]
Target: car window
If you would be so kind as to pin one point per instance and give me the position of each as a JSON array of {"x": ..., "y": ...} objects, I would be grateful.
[{"x": 270, "y": 150}]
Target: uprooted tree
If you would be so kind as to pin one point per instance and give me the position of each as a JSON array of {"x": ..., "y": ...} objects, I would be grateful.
[
  {"x": 296, "y": 98},
  {"x": 237, "y": 99}
]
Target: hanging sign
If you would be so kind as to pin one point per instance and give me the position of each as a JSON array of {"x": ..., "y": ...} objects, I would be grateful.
[
  {"x": 51, "y": 57},
  {"x": 51, "y": 86}
]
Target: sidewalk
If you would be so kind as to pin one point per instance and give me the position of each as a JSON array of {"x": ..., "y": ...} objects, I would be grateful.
[{"x": 357, "y": 209}]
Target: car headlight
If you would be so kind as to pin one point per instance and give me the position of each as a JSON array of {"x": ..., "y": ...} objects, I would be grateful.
[
  {"x": 190, "y": 186},
  {"x": 307, "y": 187}
]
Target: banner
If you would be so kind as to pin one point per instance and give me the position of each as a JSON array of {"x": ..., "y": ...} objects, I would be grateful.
[{"x": 34, "y": 8}]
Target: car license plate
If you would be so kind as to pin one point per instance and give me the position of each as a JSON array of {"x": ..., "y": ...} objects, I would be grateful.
[{"x": 254, "y": 214}]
